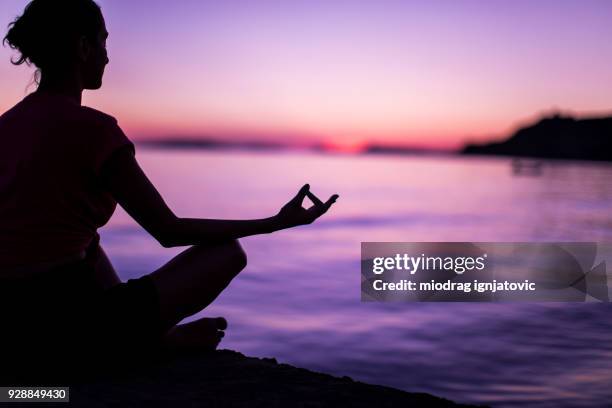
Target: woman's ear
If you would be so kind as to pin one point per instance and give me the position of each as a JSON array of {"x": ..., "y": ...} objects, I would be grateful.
[{"x": 83, "y": 49}]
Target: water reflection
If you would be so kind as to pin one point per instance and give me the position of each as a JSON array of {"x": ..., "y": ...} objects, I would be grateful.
[{"x": 299, "y": 299}]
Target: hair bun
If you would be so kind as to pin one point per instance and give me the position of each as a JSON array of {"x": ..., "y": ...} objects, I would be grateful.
[
  {"x": 43, "y": 33},
  {"x": 16, "y": 39}
]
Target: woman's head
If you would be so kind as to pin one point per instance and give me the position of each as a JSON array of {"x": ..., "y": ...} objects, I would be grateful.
[{"x": 62, "y": 37}]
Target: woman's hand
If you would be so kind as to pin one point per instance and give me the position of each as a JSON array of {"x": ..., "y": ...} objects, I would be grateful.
[{"x": 293, "y": 214}]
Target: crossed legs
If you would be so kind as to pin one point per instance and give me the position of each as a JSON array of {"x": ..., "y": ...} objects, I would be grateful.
[{"x": 191, "y": 281}]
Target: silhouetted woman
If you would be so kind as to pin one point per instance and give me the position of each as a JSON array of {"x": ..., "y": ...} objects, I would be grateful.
[{"x": 63, "y": 169}]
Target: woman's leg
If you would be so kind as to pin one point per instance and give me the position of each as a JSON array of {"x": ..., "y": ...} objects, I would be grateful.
[
  {"x": 194, "y": 278},
  {"x": 105, "y": 274}
]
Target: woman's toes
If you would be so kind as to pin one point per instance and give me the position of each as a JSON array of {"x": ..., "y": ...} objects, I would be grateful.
[
  {"x": 221, "y": 323},
  {"x": 204, "y": 333}
]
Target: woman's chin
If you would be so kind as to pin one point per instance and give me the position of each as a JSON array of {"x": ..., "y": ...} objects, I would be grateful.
[{"x": 93, "y": 85}]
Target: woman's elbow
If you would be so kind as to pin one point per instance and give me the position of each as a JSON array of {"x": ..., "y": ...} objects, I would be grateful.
[
  {"x": 166, "y": 235},
  {"x": 167, "y": 241}
]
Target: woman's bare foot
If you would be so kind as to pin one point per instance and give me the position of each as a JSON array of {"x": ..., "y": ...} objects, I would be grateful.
[{"x": 201, "y": 334}]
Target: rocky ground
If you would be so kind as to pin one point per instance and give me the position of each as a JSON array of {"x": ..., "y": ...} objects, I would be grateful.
[{"x": 229, "y": 379}]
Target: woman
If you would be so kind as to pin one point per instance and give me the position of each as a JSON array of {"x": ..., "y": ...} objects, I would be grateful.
[{"x": 63, "y": 169}]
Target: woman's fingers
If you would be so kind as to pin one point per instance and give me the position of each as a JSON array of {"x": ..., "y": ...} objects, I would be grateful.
[
  {"x": 315, "y": 200},
  {"x": 299, "y": 197},
  {"x": 318, "y": 210},
  {"x": 328, "y": 204},
  {"x": 331, "y": 200}
]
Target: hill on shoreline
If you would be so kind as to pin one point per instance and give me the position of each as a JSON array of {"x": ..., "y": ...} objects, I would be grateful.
[{"x": 555, "y": 137}]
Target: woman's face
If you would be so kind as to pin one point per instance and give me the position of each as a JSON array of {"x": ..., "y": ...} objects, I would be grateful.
[{"x": 93, "y": 65}]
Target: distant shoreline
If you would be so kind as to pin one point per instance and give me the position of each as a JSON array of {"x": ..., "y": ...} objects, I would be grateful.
[
  {"x": 553, "y": 137},
  {"x": 216, "y": 144},
  {"x": 556, "y": 137}
]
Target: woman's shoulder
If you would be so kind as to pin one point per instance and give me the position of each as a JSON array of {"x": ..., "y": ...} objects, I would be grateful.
[
  {"x": 92, "y": 121},
  {"x": 97, "y": 117},
  {"x": 42, "y": 108}
]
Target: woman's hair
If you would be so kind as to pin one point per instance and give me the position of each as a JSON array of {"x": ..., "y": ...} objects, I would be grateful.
[{"x": 46, "y": 33}]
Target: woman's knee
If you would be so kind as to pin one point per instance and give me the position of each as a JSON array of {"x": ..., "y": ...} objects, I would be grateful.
[
  {"x": 234, "y": 254},
  {"x": 230, "y": 252},
  {"x": 238, "y": 254}
]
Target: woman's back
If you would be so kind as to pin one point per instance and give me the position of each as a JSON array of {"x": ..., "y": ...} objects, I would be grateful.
[{"x": 51, "y": 198}]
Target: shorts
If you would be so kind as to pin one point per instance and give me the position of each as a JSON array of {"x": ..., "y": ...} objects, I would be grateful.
[{"x": 62, "y": 325}]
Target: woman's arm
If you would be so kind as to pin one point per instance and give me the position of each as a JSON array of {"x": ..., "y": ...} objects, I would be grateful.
[{"x": 136, "y": 194}]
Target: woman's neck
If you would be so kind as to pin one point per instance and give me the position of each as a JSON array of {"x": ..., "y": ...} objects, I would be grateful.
[{"x": 68, "y": 86}]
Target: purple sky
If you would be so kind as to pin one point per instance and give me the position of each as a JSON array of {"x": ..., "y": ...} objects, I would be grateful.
[{"x": 432, "y": 73}]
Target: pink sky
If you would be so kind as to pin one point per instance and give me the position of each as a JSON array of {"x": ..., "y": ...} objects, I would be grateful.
[{"x": 345, "y": 72}]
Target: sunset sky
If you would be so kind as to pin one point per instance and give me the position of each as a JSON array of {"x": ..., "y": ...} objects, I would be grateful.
[{"x": 428, "y": 73}]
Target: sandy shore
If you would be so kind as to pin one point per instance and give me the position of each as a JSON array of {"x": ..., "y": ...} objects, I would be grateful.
[{"x": 229, "y": 379}]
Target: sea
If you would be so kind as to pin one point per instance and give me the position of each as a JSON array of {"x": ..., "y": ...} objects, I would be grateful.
[{"x": 299, "y": 299}]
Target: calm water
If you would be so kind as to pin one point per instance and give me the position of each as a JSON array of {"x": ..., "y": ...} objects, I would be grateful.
[{"x": 299, "y": 298}]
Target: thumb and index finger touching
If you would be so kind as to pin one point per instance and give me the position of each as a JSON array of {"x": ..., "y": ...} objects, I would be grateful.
[
  {"x": 305, "y": 192},
  {"x": 319, "y": 207}
]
